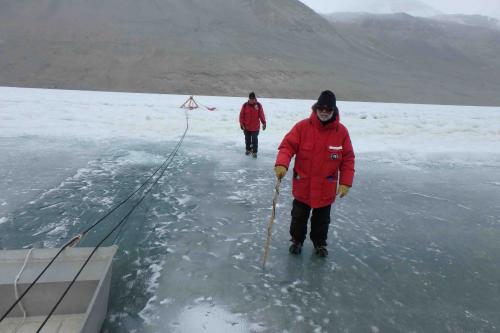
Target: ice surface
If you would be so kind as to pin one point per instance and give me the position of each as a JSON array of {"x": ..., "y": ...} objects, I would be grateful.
[{"x": 414, "y": 247}]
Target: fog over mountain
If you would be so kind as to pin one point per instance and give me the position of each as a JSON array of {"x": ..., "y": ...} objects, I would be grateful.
[
  {"x": 423, "y": 8},
  {"x": 278, "y": 48},
  {"x": 472, "y": 20},
  {"x": 425, "y": 42},
  {"x": 412, "y": 7}
]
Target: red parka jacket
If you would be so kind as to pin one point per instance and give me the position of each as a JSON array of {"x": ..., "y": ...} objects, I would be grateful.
[
  {"x": 251, "y": 115},
  {"x": 322, "y": 152}
]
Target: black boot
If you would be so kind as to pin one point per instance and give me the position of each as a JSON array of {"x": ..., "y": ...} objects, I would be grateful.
[
  {"x": 254, "y": 155},
  {"x": 321, "y": 251},
  {"x": 248, "y": 152},
  {"x": 295, "y": 248}
]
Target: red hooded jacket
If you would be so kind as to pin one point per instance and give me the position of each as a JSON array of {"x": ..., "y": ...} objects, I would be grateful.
[
  {"x": 322, "y": 153},
  {"x": 250, "y": 115}
]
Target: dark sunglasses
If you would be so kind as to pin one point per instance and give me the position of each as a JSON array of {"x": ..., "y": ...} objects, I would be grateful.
[{"x": 323, "y": 109}]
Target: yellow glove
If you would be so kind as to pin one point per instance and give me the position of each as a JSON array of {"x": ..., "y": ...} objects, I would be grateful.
[
  {"x": 280, "y": 171},
  {"x": 343, "y": 190}
]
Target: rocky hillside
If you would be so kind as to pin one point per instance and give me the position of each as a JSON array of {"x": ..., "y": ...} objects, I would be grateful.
[{"x": 278, "y": 48}]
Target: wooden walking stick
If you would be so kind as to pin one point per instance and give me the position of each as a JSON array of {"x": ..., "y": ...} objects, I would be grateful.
[{"x": 271, "y": 221}]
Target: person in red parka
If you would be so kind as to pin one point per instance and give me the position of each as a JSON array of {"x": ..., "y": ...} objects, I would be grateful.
[
  {"x": 323, "y": 156},
  {"x": 251, "y": 115}
]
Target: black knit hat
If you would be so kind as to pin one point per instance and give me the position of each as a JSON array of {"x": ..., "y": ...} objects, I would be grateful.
[
  {"x": 326, "y": 100},
  {"x": 252, "y": 95}
]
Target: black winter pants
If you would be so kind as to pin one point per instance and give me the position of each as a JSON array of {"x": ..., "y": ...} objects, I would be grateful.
[
  {"x": 251, "y": 140},
  {"x": 320, "y": 222}
]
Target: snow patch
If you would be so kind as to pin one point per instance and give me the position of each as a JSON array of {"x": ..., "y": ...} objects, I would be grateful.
[
  {"x": 167, "y": 301},
  {"x": 239, "y": 256},
  {"x": 57, "y": 230},
  {"x": 140, "y": 157},
  {"x": 405, "y": 133}
]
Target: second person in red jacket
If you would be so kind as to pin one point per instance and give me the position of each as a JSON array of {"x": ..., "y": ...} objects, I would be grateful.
[
  {"x": 251, "y": 115},
  {"x": 323, "y": 156}
]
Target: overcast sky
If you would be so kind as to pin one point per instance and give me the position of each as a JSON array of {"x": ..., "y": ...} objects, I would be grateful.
[{"x": 483, "y": 7}]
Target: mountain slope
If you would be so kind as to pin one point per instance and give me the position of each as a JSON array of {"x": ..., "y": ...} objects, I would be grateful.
[
  {"x": 278, "y": 48},
  {"x": 157, "y": 45},
  {"x": 411, "y": 7}
]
